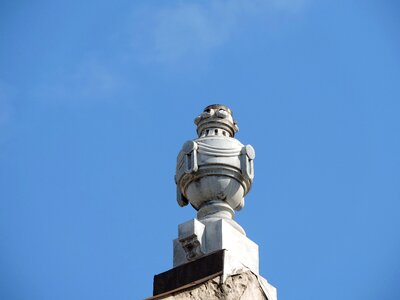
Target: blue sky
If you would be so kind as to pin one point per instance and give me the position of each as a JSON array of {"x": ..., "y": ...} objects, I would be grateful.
[{"x": 96, "y": 99}]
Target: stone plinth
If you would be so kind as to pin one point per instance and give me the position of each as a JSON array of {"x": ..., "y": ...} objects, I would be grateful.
[{"x": 197, "y": 238}]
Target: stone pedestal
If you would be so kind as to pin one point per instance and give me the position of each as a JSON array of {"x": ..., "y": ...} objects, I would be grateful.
[
  {"x": 213, "y": 260},
  {"x": 198, "y": 238}
]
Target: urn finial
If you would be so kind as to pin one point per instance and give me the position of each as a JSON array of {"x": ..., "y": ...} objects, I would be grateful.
[{"x": 215, "y": 171}]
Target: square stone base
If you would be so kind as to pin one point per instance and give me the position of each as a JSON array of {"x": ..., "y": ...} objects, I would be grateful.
[{"x": 213, "y": 236}]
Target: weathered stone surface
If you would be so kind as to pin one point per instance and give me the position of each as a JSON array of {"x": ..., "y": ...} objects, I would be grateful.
[
  {"x": 244, "y": 286},
  {"x": 218, "y": 235},
  {"x": 215, "y": 171},
  {"x": 213, "y": 257}
]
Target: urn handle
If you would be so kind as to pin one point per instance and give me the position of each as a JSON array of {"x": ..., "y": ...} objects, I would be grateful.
[
  {"x": 182, "y": 201},
  {"x": 247, "y": 165},
  {"x": 190, "y": 157}
]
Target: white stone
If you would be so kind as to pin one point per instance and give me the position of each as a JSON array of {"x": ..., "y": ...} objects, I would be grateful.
[
  {"x": 217, "y": 235},
  {"x": 191, "y": 239},
  {"x": 215, "y": 171},
  {"x": 190, "y": 228}
]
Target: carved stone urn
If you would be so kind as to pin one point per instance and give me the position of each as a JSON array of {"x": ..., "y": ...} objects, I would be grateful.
[{"x": 215, "y": 171}]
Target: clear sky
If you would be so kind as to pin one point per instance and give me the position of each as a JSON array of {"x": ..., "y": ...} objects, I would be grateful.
[{"x": 97, "y": 98}]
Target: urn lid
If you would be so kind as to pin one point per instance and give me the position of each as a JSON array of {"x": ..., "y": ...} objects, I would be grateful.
[{"x": 216, "y": 116}]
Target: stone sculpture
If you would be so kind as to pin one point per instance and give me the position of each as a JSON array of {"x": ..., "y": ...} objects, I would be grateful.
[
  {"x": 215, "y": 171},
  {"x": 213, "y": 257}
]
